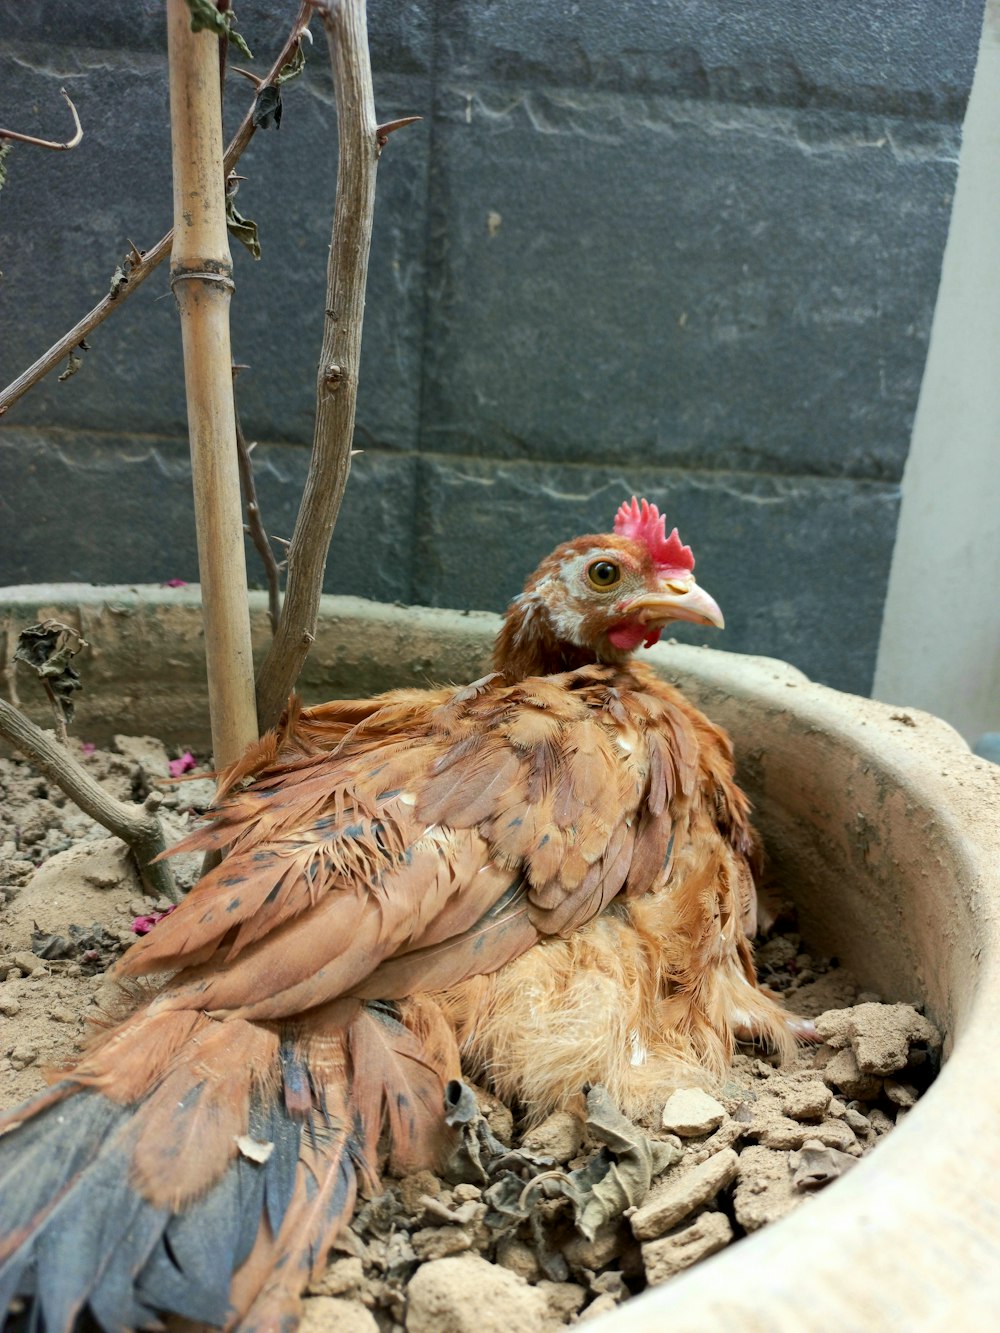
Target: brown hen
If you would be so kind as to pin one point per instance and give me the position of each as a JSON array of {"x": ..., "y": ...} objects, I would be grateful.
[{"x": 544, "y": 878}]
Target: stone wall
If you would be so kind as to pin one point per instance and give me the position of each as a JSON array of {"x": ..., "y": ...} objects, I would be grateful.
[{"x": 688, "y": 249}]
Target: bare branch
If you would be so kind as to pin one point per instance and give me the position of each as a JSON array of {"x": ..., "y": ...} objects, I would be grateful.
[
  {"x": 136, "y": 825},
  {"x": 135, "y": 274},
  {"x": 337, "y": 379},
  {"x": 255, "y": 524},
  {"x": 49, "y": 143}
]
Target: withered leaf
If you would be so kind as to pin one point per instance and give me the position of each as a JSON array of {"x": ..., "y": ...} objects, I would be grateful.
[
  {"x": 291, "y": 69},
  {"x": 48, "y": 649},
  {"x": 244, "y": 229},
  {"x": 119, "y": 279},
  {"x": 616, "y": 1178},
  {"x": 91, "y": 946},
  {"x": 478, "y": 1156},
  {"x": 267, "y": 107},
  {"x": 205, "y": 15},
  {"x": 72, "y": 366},
  {"x": 814, "y": 1166}
]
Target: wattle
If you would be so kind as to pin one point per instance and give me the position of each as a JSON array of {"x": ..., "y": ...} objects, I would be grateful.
[{"x": 630, "y": 634}]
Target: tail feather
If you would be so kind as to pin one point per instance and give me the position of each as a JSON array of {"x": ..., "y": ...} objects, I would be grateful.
[
  {"x": 73, "y": 1225},
  {"x": 324, "y": 1197},
  {"x": 119, "y": 1215},
  {"x": 35, "y": 1179}
]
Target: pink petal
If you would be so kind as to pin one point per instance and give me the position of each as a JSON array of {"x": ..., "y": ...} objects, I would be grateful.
[
  {"x": 182, "y": 765},
  {"x": 142, "y": 925}
]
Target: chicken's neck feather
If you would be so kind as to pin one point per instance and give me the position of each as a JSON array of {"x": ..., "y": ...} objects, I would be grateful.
[{"x": 528, "y": 644}]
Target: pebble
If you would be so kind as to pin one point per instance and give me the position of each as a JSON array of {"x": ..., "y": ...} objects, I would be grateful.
[
  {"x": 690, "y": 1112},
  {"x": 608, "y": 1244},
  {"x": 465, "y": 1294},
  {"x": 673, "y": 1201},
  {"x": 22, "y": 1056},
  {"x": 806, "y": 1101},
  {"x": 901, "y": 1094},
  {"x": 558, "y": 1136},
  {"x": 672, "y": 1254},
  {"x": 519, "y": 1258},
  {"x": 332, "y": 1314},
  {"x": 879, "y": 1121},
  {"x": 843, "y": 1072},
  {"x": 438, "y": 1242},
  {"x": 344, "y": 1277},
  {"x": 880, "y": 1035},
  {"x": 604, "y": 1304},
  {"x": 29, "y": 963},
  {"x": 564, "y": 1298},
  {"x": 10, "y": 1006},
  {"x": 815, "y": 1165},
  {"x": 764, "y": 1191},
  {"x": 146, "y": 751}
]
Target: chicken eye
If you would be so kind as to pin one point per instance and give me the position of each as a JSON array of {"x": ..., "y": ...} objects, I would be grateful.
[{"x": 604, "y": 574}]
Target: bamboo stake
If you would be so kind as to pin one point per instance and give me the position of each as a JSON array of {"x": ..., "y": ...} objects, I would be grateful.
[
  {"x": 337, "y": 380},
  {"x": 202, "y": 281}
]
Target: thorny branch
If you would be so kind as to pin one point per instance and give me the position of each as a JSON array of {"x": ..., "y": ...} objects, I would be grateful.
[
  {"x": 48, "y": 143},
  {"x": 136, "y": 825},
  {"x": 255, "y": 524},
  {"x": 135, "y": 270},
  {"x": 337, "y": 377}
]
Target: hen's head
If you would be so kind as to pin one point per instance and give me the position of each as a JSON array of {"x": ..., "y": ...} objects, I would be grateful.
[{"x": 598, "y": 598}]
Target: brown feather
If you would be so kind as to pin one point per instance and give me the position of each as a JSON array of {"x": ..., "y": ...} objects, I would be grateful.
[{"x": 188, "y": 1129}]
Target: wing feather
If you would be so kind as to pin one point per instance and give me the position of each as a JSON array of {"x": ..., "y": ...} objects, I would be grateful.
[{"x": 397, "y": 844}]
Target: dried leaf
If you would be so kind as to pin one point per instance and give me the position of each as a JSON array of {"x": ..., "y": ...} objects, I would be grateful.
[
  {"x": 119, "y": 279},
  {"x": 48, "y": 648},
  {"x": 267, "y": 107},
  {"x": 91, "y": 946},
  {"x": 72, "y": 366},
  {"x": 204, "y": 15},
  {"x": 616, "y": 1178},
  {"x": 814, "y": 1166},
  {"x": 244, "y": 229},
  {"x": 478, "y": 1156},
  {"x": 291, "y": 69}
]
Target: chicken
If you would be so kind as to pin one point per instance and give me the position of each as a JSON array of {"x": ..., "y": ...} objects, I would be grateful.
[{"x": 544, "y": 877}]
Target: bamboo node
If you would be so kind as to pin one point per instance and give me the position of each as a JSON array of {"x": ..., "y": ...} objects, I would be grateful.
[{"x": 202, "y": 275}]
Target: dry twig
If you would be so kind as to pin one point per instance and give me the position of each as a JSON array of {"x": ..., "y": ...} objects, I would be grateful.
[
  {"x": 337, "y": 381},
  {"x": 255, "y": 524},
  {"x": 15, "y": 137},
  {"x": 138, "y": 826},
  {"x": 133, "y": 272}
]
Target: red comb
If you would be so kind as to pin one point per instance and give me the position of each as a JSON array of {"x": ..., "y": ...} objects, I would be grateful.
[{"x": 646, "y": 524}]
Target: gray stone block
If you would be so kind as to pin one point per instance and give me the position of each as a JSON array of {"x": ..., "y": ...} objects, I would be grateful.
[
  {"x": 67, "y": 218},
  {"x": 400, "y": 36},
  {"x": 681, "y": 283},
  {"x": 91, "y": 509},
  {"x": 874, "y": 55},
  {"x": 798, "y": 564}
]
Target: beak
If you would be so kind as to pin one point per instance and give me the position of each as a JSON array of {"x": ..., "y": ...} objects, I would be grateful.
[{"x": 677, "y": 599}]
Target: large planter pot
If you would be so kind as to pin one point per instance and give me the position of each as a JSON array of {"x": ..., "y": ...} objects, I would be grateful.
[{"x": 880, "y": 824}]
